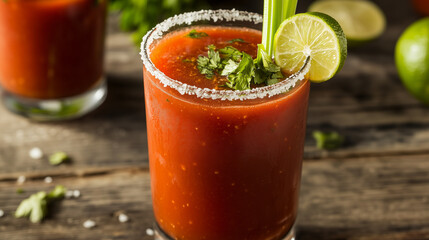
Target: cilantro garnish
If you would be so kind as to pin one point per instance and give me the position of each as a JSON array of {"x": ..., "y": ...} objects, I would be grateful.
[
  {"x": 58, "y": 158},
  {"x": 239, "y": 67},
  {"x": 194, "y": 34},
  {"x": 328, "y": 140},
  {"x": 35, "y": 207},
  {"x": 236, "y": 40},
  {"x": 240, "y": 74},
  {"x": 208, "y": 65}
]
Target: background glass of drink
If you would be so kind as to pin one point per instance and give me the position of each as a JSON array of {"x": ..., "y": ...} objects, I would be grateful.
[
  {"x": 51, "y": 61},
  {"x": 223, "y": 164}
]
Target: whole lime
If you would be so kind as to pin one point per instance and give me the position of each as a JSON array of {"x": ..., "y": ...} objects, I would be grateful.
[{"x": 412, "y": 59}]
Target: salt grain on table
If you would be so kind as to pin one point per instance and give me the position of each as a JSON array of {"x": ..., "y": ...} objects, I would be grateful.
[
  {"x": 89, "y": 224},
  {"x": 69, "y": 194},
  {"x": 150, "y": 232},
  {"x": 123, "y": 218},
  {"x": 76, "y": 193},
  {"x": 21, "y": 179},
  {"x": 48, "y": 180},
  {"x": 36, "y": 153}
]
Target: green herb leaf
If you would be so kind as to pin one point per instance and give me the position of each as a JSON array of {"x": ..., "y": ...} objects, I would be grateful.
[
  {"x": 236, "y": 40},
  {"x": 239, "y": 67},
  {"x": 58, "y": 193},
  {"x": 58, "y": 158},
  {"x": 266, "y": 70},
  {"x": 328, "y": 140},
  {"x": 19, "y": 191},
  {"x": 194, "y": 34},
  {"x": 35, "y": 207},
  {"x": 241, "y": 78},
  {"x": 229, "y": 52},
  {"x": 208, "y": 65},
  {"x": 139, "y": 16},
  {"x": 230, "y": 67}
]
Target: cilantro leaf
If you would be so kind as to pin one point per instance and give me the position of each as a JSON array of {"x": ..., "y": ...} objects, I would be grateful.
[
  {"x": 58, "y": 158},
  {"x": 35, "y": 207},
  {"x": 194, "y": 34},
  {"x": 208, "y": 65},
  {"x": 229, "y": 52},
  {"x": 236, "y": 40},
  {"x": 58, "y": 192},
  {"x": 239, "y": 67},
  {"x": 242, "y": 76},
  {"x": 266, "y": 70},
  {"x": 328, "y": 140},
  {"x": 230, "y": 67}
]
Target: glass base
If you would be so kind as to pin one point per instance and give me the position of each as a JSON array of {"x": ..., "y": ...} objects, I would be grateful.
[
  {"x": 161, "y": 235},
  {"x": 56, "y": 109}
]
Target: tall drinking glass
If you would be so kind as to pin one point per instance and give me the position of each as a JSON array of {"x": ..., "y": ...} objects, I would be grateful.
[
  {"x": 224, "y": 164},
  {"x": 51, "y": 61}
]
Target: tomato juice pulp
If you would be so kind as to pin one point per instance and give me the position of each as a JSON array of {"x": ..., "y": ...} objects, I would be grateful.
[
  {"x": 51, "y": 48},
  {"x": 221, "y": 169}
]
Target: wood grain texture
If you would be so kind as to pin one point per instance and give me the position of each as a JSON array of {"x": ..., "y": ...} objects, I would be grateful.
[{"x": 380, "y": 198}]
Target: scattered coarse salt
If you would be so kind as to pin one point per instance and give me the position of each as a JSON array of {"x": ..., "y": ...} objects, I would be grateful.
[
  {"x": 150, "y": 232},
  {"x": 69, "y": 193},
  {"x": 21, "y": 179},
  {"x": 72, "y": 194},
  {"x": 123, "y": 218},
  {"x": 48, "y": 180},
  {"x": 1, "y": 213},
  {"x": 76, "y": 193},
  {"x": 89, "y": 224},
  {"x": 35, "y": 153}
]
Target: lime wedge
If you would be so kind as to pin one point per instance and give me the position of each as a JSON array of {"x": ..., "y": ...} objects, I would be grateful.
[
  {"x": 361, "y": 20},
  {"x": 310, "y": 34}
]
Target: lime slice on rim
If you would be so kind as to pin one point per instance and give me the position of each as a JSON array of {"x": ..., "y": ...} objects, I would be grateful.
[
  {"x": 310, "y": 34},
  {"x": 361, "y": 20}
]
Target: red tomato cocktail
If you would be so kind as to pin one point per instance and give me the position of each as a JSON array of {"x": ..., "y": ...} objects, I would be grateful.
[
  {"x": 220, "y": 169},
  {"x": 51, "y": 49}
]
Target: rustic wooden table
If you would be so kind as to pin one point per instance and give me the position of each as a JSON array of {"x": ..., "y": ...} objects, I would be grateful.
[{"x": 375, "y": 187}]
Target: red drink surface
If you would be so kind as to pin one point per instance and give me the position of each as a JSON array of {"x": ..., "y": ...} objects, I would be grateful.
[
  {"x": 51, "y": 48},
  {"x": 221, "y": 169}
]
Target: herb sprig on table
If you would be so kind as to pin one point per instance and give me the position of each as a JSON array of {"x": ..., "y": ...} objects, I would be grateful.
[
  {"x": 36, "y": 206},
  {"x": 139, "y": 16}
]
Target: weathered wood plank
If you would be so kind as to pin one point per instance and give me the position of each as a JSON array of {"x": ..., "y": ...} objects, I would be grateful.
[
  {"x": 368, "y": 198},
  {"x": 101, "y": 197},
  {"x": 362, "y": 198}
]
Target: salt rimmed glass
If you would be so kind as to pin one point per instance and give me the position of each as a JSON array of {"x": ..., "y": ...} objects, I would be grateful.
[{"x": 189, "y": 130}]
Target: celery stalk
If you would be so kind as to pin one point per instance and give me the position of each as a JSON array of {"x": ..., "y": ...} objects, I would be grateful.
[{"x": 275, "y": 11}]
